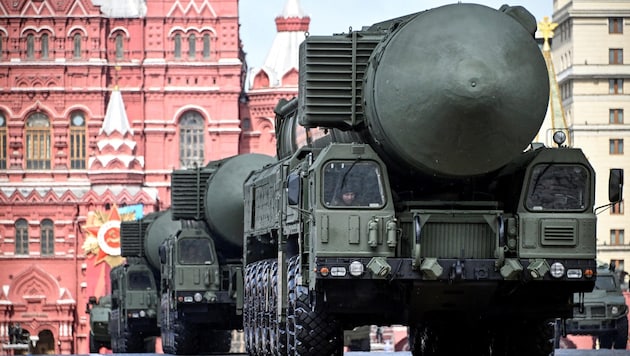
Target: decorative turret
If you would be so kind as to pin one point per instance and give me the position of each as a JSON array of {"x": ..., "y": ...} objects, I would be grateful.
[
  {"x": 115, "y": 161},
  {"x": 281, "y": 65}
]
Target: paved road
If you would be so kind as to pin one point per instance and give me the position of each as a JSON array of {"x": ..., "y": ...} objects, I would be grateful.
[{"x": 559, "y": 352}]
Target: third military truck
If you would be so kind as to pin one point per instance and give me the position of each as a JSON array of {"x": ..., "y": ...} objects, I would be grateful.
[{"x": 408, "y": 191}]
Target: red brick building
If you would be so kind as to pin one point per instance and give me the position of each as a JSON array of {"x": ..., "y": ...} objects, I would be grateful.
[{"x": 99, "y": 101}]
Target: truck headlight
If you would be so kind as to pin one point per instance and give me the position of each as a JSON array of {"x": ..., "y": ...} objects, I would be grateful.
[
  {"x": 143, "y": 313},
  {"x": 557, "y": 270},
  {"x": 356, "y": 268},
  {"x": 614, "y": 310},
  {"x": 198, "y": 297}
]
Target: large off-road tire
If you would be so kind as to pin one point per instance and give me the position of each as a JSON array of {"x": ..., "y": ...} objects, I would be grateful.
[
  {"x": 261, "y": 331},
  {"x": 149, "y": 345},
  {"x": 128, "y": 342},
  {"x": 525, "y": 338},
  {"x": 94, "y": 348},
  {"x": 248, "y": 329},
  {"x": 290, "y": 324},
  {"x": 606, "y": 341},
  {"x": 186, "y": 338},
  {"x": 216, "y": 341},
  {"x": 621, "y": 339},
  {"x": 436, "y": 339},
  {"x": 315, "y": 332},
  {"x": 277, "y": 330}
]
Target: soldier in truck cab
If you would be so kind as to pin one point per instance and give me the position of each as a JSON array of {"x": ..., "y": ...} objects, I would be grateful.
[{"x": 347, "y": 196}]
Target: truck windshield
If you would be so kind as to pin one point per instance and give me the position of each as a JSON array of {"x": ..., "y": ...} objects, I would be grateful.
[
  {"x": 605, "y": 283},
  {"x": 194, "y": 252},
  {"x": 349, "y": 184},
  {"x": 139, "y": 280},
  {"x": 558, "y": 188}
]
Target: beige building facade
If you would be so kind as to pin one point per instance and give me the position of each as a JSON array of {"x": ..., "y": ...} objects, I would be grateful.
[{"x": 588, "y": 49}]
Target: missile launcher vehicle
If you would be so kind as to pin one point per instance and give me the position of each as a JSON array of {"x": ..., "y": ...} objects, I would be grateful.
[{"x": 408, "y": 191}]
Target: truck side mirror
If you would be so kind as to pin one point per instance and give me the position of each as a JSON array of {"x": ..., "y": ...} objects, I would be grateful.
[
  {"x": 293, "y": 189},
  {"x": 615, "y": 185}
]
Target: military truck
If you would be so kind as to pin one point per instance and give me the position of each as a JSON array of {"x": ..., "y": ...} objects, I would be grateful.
[
  {"x": 176, "y": 298},
  {"x": 460, "y": 227},
  {"x": 193, "y": 251},
  {"x": 134, "y": 308},
  {"x": 99, "y": 310},
  {"x": 212, "y": 197},
  {"x": 602, "y": 313}
]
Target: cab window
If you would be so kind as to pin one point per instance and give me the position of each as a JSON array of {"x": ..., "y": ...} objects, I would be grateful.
[
  {"x": 558, "y": 188},
  {"x": 194, "y": 252},
  {"x": 353, "y": 184},
  {"x": 139, "y": 280}
]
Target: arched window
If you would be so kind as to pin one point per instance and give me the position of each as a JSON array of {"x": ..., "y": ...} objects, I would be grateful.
[
  {"x": 3, "y": 141},
  {"x": 38, "y": 142},
  {"x": 44, "y": 43},
  {"x": 178, "y": 46},
  {"x": 76, "y": 40},
  {"x": 119, "y": 46},
  {"x": 77, "y": 141},
  {"x": 47, "y": 237},
  {"x": 206, "y": 46},
  {"x": 30, "y": 46},
  {"x": 191, "y": 46},
  {"x": 1, "y": 45},
  {"x": 21, "y": 237},
  {"x": 191, "y": 140}
]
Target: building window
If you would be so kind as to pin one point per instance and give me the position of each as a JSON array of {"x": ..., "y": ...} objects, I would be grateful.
[
  {"x": 191, "y": 140},
  {"x": 616, "y": 146},
  {"x": 192, "y": 46},
  {"x": 1, "y": 45},
  {"x": 617, "y": 208},
  {"x": 615, "y": 86},
  {"x": 77, "y": 141},
  {"x": 44, "y": 44},
  {"x": 615, "y": 25},
  {"x": 119, "y": 46},
  {"x": 47, "y": 238},
  {"x": 178, "y": 46},
  {"x": 76, "y": 41},
  {"x": 566, "y": 90},
  {"x": 618, "y": 265},
  {"x": 21, "y": 237},
  {"x": 3, "y": 142},
  {"x": 616, "y": 236},
  {"x": 615, "y": 56},
  {"x": 30, "y": 46},
  {"x": 38, "y": 142},
  {"x": 616, "y": 116},
  {"x": 206, "y": 46}
]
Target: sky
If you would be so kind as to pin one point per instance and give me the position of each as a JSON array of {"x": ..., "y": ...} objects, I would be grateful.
[{"x": 258, "y": 27}]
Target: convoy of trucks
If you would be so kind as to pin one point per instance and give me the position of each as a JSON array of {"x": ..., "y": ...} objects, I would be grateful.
[{"x": 405, "y": 190}]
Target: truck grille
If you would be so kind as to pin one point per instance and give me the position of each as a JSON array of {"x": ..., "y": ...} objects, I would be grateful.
[
  {"x": 598, "y": 311},
  {"x": 468, "y": 240},
  {"x": 559, "y": 232}
]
